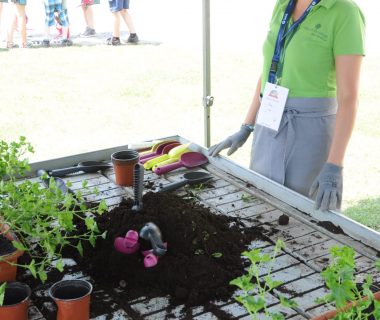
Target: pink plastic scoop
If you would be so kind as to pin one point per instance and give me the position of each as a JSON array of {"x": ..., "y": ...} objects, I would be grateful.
[
  {"x": 188, "y": 160},
  {"x": 128, "y": 244},
  {"x": 165, "y": 150},
  {"x": 158, "y": 151}
]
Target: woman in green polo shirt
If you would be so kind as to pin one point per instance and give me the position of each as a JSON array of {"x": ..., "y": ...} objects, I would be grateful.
[{"x": 311, "y": 69}]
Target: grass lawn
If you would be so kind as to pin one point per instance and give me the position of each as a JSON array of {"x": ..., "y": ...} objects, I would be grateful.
[{"x": 71, "y": 100}]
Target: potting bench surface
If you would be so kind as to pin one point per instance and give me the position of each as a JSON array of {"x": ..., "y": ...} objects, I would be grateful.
[{"x": 298, "y": 266}]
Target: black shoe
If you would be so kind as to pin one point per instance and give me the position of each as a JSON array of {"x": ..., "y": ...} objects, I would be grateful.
[
  {"x": 133, "y": 38},
  {"x": 46, "y": 43},
  {"x": 114, "y": 41},
  {"x": 66, "y": 42}
]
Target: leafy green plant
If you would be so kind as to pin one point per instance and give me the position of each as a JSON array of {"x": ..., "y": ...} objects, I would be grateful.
[
  {"x": 2, "y": 293},
  {"x": 254, "y": 288},
  {"x": 344, "y": 293},
  {"x": 42, "y": 218}
]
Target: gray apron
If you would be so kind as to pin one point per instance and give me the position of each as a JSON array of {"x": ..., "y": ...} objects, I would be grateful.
[{"x": 295, "y": 154}]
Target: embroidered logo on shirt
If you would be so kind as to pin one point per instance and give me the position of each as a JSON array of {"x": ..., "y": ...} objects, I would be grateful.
[{"x": 317, "y": 32}]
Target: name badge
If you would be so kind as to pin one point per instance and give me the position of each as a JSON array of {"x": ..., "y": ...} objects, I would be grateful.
[{"x": 272, "y": 106}]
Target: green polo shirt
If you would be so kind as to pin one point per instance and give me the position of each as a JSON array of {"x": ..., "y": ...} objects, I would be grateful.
[{"x": 307, "y": 68}]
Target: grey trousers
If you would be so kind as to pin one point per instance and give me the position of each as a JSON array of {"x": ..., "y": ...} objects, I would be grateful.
[{"x": 294, "y": 155}]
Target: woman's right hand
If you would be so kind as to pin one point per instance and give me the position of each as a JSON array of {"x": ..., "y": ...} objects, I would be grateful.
[{"x": 233, "y": 142}]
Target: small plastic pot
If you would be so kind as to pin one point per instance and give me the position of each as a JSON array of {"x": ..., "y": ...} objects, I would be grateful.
[
  {"x": 72, "y": 298},
  {"x": 8, "y": 268},
  {"x": 123, "y": 164},
  {"x": 16, "y": 301}
]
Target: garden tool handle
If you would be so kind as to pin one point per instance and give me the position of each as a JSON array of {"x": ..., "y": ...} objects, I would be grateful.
[
  {"x": 152, "y": 233},
  {"x": 169, "y": 167},
  {"x": 138, "y": 184},
  {"x": 148, "y": 155},
  {"x": 64, "y": 171},
  {"x": 88, "y": 169},
  {"x": 173, "y": 186}
]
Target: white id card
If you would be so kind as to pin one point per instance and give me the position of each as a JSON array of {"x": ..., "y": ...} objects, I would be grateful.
[{"x": 272, "y": 106}]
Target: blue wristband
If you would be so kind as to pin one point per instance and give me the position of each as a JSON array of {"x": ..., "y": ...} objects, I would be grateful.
[{"x": 248, "y": 126}]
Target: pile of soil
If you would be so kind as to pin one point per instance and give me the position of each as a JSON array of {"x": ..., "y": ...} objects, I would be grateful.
[
  {"x": 203, "y": 256},
  {"x": 203, "y": 251}
]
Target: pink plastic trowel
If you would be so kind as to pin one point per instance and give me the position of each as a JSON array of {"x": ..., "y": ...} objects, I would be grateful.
[{"x": 128, "y": 244}]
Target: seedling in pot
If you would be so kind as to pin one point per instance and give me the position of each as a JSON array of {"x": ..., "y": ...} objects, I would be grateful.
[
  {"x": 42, "y": 218},
  {"x": 351, "y": 302}
]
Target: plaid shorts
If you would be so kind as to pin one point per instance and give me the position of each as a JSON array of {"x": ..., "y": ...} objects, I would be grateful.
[
  {"x": 118, "y": 5},
  {"x": 49, "y": 12}
]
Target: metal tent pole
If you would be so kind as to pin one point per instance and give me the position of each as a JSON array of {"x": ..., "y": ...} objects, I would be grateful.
[{"x": 207, "y": 98}]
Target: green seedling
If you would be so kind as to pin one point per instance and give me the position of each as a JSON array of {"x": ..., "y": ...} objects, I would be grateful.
[
  {"x": 42, "y": 218},
  {"x": 217, "y": 255},
  {"x": 255, "y": 288},
  {"x": 344, "y": 294},
  {"x": 247, "y": 198}
]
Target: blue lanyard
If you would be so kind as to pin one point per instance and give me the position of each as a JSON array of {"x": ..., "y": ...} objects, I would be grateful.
[{"x": 283, "y": 33}]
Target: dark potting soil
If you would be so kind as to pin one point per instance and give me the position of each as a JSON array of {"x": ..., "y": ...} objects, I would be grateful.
[
  {"x": 283, "y": 220},
  {"x": 6, "y": 246},
  {"x": 203, "y": 251},
  {"x": 329, "y": 226},
  {"x": 189, "y": 272}
]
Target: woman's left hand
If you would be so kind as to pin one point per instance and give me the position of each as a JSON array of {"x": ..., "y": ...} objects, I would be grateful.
[{"x": 329, "y": 187}]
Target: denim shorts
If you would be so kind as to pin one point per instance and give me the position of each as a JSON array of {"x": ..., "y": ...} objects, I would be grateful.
[
  {"x": 118, "y": 5},
  {"x": 22, "y": 2}
]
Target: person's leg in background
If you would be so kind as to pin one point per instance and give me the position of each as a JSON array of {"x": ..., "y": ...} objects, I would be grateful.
[
  {"x": 61, "y": 8},
  {"x": 49, "y": 22},
  {"x": 17, "y": 15},
  {"x": 129, "y": 22},
  {"x": 115, "y": 7},
  {"x": 88, "y": 14}
]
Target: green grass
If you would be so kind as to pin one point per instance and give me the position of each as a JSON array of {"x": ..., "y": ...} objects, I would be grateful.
[{"x": 72, "y": 100}]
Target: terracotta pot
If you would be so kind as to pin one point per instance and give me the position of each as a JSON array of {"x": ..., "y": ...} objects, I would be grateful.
[
  {"x": 72, "y": 298},
  {"x": 332, "y": 313},
  {"x": 16, "y": 301},
  {"x": 7, "y": 268},
  {"x": 123, "y": 163}
]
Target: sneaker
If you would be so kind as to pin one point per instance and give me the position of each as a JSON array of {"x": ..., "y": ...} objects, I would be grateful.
[
  {"x": 113, "y": 41},
  {"x": 89, "y": 32},
  {"x": 66, "y": 42},
  {"x": 133, "y": 38},
  {"x": 11, "y": 45},
  {"x": 46, "y": 43}
]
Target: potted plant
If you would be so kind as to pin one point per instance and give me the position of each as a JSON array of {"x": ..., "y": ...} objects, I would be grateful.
[
  {"x": 42, "y": 218},
  {"x": 8, "y": 254},
  {"x": 348, "y": 300}
]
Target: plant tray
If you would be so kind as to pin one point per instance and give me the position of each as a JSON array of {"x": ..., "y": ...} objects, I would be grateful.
[{"x": 308, "y": 235}]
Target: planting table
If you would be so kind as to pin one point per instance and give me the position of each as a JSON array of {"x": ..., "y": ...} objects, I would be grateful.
[{"x": 306, "y": 237}]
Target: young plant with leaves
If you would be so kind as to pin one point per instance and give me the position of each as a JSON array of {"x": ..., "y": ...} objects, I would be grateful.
[
  {"x": 42, "y": 218},
  {"x": 255, "y": 288},
  {"x": 352, "y": 303}
]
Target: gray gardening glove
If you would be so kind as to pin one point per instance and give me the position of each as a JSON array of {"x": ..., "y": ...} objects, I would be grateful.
[
  {"x": 329, "y": 184},
  {"x": 233, "y": 142}
]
